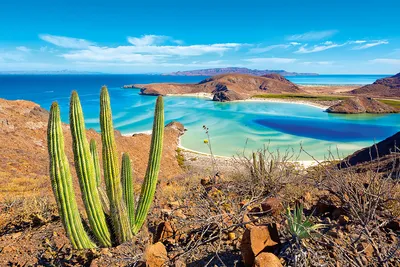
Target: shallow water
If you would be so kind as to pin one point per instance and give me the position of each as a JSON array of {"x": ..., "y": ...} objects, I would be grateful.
[{"x": 233, "y": 126}]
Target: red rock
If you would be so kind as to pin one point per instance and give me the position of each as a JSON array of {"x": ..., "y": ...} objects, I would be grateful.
[
  {"x": 267, "y": 259},
  {"x": 272, "y": 205},
  {"x": 164, "y": 231},
  {"x": 156, "y": 255},
  {"x": 256, "y": 240}
]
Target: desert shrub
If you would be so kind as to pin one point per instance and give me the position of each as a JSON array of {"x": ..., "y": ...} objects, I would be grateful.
[{"x": 20, "y": 213}]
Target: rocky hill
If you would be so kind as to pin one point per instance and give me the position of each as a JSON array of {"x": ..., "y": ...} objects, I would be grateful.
[
  {"x": 217, "y": 71},
  {"x": 361, "y": 104},
  {"x": 24, "y": 160},
  {"x": 225, "y": 87},
  {"x": 386, "y": 87},
  {"x": 383, "y": 157}
]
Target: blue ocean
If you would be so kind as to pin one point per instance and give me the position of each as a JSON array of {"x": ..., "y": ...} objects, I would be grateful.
[{"x": 233, "y": 126}]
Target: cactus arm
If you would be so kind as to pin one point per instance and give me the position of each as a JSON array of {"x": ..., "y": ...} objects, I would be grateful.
[
  {"x": 85, "y": 170},
  {"x": 96, "y": 161},
  {"x": 61, "y": 181},
  {"x": 262, "y": 164},
  {"x": 102, "y": 193},
  {"x": 119, "y": 215},
  {"x": 255, "y": 168},
  {"x": 153, "y": 166},
  {"x": 127, "y": 185}
]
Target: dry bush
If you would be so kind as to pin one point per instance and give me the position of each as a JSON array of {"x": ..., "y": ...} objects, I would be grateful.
[
  {"x": 21, "y": 213},
  {"x": 370, "y": 197},
  {"x": 267, "y": 172}
]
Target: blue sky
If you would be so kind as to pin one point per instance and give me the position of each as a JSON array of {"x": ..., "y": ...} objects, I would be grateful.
[{"x": 162, "y": 36}]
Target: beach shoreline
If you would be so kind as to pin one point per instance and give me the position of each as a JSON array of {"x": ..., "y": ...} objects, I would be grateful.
[
  {"x": 205, "y": 157},
  {"x": 255, "y": 99}
]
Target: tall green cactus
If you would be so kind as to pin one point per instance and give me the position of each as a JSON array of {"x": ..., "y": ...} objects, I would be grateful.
[
  {"x": 127, "y": 185},
  {"x": 153, "y": 166},
  {"x": 85, "y": 170},
  {"x": 124, "y": 220},
  {"x": 119, "y": 216},
  {"x": 61, "y": 181}
]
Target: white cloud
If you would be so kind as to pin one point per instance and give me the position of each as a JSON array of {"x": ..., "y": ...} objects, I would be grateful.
[
  {"x": 47, "y": 49},
  {"x": 11, "y": 56},
  {"x": 318, "y": 63},
  {"x": 313, "y": 35},
  {"x": 146, "y": 49},
  {"x": 147, "y": 40},
  {"x": 260, "y": 49},
  {"x": 271, "y": 60},
  {"x": 66, "y": 42},
  {"x": 23, "y": 49},
  {"x": 372, "y": 44},
  {"x": 118, "y": 54},
  {"x": 318, "y": 48},
  {"x": 357, "y": 42},
  {"x": 390, "y": 61}
]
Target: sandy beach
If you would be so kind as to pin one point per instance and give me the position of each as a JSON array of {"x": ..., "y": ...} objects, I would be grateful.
[
  {"x": 200, "y": 160},
  {"x": 287, "y": 101},
  {"x": 200, "y": 95},
  {"x": 274, "y": 100}
]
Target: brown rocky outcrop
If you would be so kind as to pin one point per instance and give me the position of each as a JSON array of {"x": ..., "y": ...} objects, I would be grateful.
[
  {"x": 23, "y": 151},
  {"x": 386, "y": 87},
  {"x": 361, "y": 104},
  {"x": 382, "y": 157},
  {"x": 226, "y": 87},
  {"x": 225, "y": 96}
]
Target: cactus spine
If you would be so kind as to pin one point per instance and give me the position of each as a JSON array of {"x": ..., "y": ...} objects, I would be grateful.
[
  {"x": 98, "y": 203},
  {"x": 119, "y": 216},
  {"x": 127, "y": 185},
  {"x": 61, "y": 181},
  {"x": 153, "y": 166}
]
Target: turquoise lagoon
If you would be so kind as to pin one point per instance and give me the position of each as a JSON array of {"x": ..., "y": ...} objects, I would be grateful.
[{"x": 233, "y": 126}]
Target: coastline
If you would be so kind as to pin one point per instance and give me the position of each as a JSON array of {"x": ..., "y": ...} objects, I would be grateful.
[
  {"x": 286, "y": 101},
  {"x": 191, "y": 155},
  {"x": 275, "y": 100},
  {"x": 199, "y": 95},
  {"x": 205, "y": 158}
]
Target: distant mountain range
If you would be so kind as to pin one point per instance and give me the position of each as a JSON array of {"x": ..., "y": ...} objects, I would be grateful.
[{"x": 217, "y": 71}]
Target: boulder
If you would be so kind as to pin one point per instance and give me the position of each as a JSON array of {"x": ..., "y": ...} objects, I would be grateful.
[
  {"x": 266, "y": 259},
  {"x": 272, "y": 205},
  {"x": 258, "y": 239},
  {"x": 224, "y": 96},
  {"x": 164, "y": 231},
  {"x": 156, "y": 255}
]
